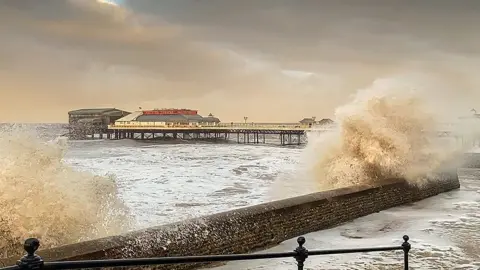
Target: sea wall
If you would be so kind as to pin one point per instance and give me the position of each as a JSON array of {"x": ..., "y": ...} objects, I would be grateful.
[
  {"x": 252, "y": 228},
  {"x": 471, "y": 160}
]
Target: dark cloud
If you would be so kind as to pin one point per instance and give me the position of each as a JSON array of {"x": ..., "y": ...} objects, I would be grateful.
[
  {"x": 57, "y": 55},
  {"x": 302, "y": 29}
]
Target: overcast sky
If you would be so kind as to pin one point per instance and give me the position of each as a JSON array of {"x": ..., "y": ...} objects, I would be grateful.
[{"x": 230, "y": 58}]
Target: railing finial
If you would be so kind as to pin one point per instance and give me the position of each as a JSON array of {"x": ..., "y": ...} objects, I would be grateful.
[
  {"x": 302, "y": 252},
  {"x": 406, "y": 245},
  {"x": 31, "y": 261}
]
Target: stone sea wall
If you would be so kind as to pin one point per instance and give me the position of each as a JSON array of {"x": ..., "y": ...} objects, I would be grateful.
[{"x": 252, "y": 228}]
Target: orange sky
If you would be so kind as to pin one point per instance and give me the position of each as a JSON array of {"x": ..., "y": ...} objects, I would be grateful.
[{"x": 224, "y": 57}]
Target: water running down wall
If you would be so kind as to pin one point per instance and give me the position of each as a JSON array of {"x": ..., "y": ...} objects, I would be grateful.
[{"x": 252, "y": 228}]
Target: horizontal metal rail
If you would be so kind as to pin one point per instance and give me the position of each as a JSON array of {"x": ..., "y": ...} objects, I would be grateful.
[
  {"x": 219, "y": 128},
  {"x": 31, "y": 261}
]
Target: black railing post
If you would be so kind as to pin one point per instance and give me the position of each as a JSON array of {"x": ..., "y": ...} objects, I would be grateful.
[
  {"x": 406, "y": 248},
  {"x": 31, "y": 261},
  {"x": 302, "y": 253}
]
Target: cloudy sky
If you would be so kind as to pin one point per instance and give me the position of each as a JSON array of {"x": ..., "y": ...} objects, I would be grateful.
[{"x": 271, "y": 60}]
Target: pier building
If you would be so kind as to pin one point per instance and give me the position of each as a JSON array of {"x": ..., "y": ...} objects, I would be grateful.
[
  {"x": 92, "y": 122},
  {"x": 168, "y": 118},
  {"x": 312, "y": 121}
]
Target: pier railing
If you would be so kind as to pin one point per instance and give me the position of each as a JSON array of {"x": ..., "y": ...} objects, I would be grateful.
[
  {"x": 31, "y": 261},
  {"x": 219, "y": 127}
]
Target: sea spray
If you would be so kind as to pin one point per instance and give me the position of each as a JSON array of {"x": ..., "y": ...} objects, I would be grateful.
[
  {"x": 388, "y": 130},
  {"x": 43, "y": 197}
]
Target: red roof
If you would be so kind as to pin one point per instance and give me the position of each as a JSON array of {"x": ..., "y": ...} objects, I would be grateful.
[{"x": 170, "y": 112}]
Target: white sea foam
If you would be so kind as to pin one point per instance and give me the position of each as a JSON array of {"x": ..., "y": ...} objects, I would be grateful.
[
  {"x": 43, "y": 197},
  {"x": 165, "y": 183}
]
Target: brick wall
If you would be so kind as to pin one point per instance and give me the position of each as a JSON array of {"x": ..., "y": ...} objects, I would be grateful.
[{"x": 252, "y": 228}]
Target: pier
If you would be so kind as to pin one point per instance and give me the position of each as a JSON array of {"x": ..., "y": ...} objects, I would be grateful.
[
  {"x": 185, "y": 125},
  {"x": 286, "y": 134}
]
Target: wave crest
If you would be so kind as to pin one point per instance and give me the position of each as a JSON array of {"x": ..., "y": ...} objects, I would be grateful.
[
  {"x": 389, "y": 130},
  {"x": 43, "y": 197}
]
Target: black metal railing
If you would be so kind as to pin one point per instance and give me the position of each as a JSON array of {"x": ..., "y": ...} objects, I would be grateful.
[{"x": 31, "y": 261}]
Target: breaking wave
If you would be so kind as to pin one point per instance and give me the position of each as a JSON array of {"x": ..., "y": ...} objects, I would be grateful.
[
  {"x": 43, "y": 197},
  {"x": 388, "y": 130}
]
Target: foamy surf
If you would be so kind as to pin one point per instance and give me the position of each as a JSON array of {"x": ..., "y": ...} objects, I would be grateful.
[
  {"x": 43, "y": 197},
  {"x": 388, "y": 130}
]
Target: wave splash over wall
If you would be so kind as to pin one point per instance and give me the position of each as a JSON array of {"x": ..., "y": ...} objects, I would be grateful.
[
  {"x": 43, "y": 197},
  {"x": 389, "y": 130}
]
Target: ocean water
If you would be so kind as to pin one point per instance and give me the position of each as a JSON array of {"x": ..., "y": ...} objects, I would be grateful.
[
  {"x": 162, "y": 183},
  {"x": 166, "y": 183}
]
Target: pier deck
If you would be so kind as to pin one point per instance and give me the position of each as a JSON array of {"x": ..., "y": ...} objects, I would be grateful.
[{"x": 245, "y": 133}]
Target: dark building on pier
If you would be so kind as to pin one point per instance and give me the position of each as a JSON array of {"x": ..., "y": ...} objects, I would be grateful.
[{"x": 88, "y": 122}]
